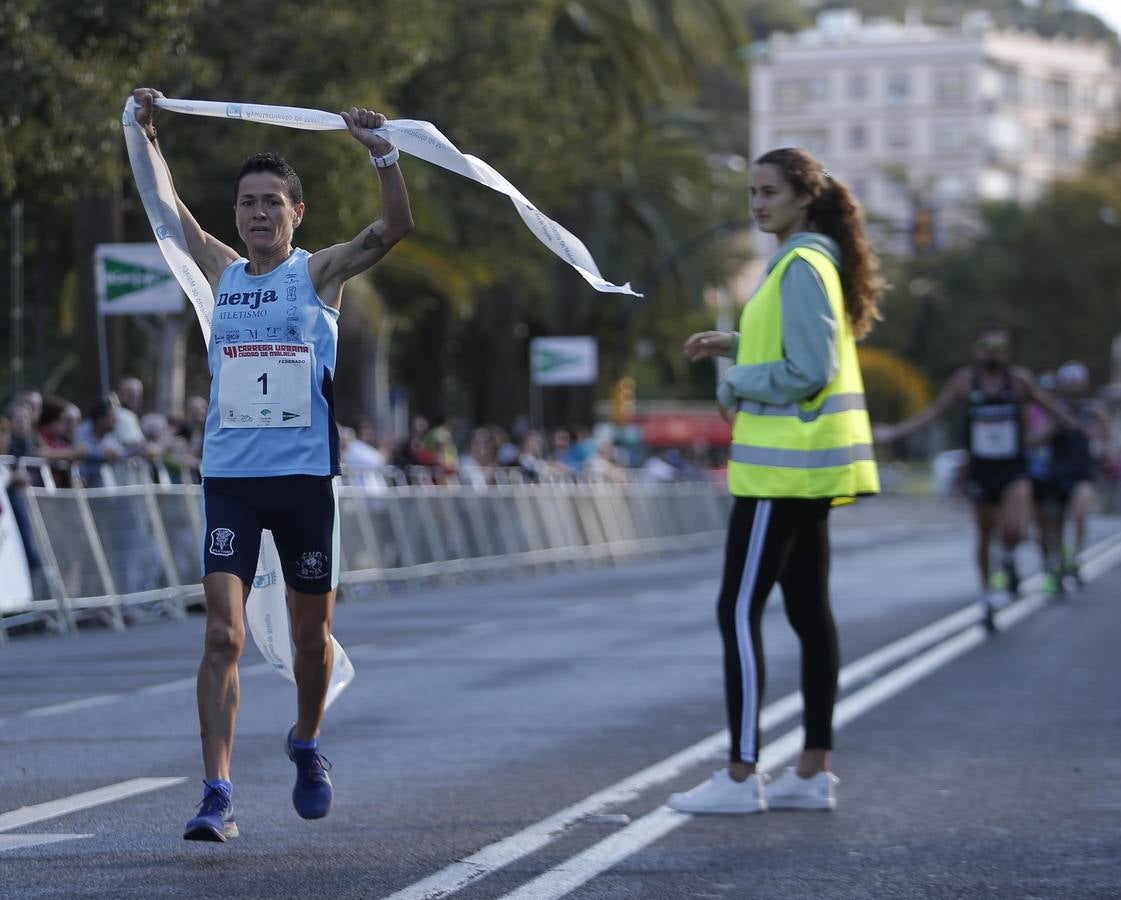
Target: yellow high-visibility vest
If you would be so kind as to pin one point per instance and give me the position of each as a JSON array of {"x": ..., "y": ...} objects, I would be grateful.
[{"x": 821, "y": 447}]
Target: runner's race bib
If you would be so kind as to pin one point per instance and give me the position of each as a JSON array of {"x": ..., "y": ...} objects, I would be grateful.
[
  {"x": 995, "y": 440},
  {"x": 265, "y": 386}
]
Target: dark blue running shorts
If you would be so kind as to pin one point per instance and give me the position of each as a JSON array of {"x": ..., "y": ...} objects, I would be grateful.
[
  {"x": 302, "y": 513},
  {"x": 989, "y": 479}
]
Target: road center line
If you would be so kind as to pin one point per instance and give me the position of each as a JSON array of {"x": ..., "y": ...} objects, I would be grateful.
[
  {"x": 22, "y": 841},
  {"x": 28, "y": 815}
]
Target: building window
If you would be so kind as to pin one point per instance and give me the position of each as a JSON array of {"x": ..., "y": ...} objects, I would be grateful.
[
  {"x": 796, "y": 92},
  {"x": 897, "y": 135},
  {"x": 898, "y": 87},
  {"x": 950, "y": 137},
  {"x": 858, "y": 137},
  {"x": 1058, "y": 93},
  {"x": 816, "y": 140},
  {"x": 1008, "y": 84},
  {"x": 1061, "y": 145},
  {"x": 951, "y": 88},
  {"x": 790, "y": 92},
  {"x": 858, "y": 86}
]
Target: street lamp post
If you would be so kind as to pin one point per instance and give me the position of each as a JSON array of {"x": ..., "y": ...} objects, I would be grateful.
[{"x": 16, "y": 335}]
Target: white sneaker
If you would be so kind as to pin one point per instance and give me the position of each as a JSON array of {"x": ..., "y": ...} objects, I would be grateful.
[
  {"x": 789, "y": 791},
  {"x": 720, "y": 794}
]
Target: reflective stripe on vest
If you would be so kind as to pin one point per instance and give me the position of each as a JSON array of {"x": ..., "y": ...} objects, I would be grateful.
[
  {"x": 801, "y": 459},
  {"x": 833, "y": 404}
]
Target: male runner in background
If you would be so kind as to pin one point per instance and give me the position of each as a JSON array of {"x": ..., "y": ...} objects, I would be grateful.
[{"x": 996, "y": 394}]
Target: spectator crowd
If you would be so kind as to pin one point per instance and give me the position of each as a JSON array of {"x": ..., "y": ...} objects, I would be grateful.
[
  {"x": 490, "y": 454},
  {"x": 47, "y": 441}
]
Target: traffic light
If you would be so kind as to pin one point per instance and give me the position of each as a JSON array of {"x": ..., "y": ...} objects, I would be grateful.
[
  {"x": 922, "y": 233},
  {"x": 622, "y": 400}
]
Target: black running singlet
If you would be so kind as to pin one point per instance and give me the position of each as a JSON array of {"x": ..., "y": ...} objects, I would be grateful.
[
  {"x": 1070, "y": 447},
  {"x": 994, "y": 431}
]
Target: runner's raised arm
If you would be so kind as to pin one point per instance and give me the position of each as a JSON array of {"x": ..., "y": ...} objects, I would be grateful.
[
  {"x": 211, "y": 255},
  {"x": 331, "y": 267}
]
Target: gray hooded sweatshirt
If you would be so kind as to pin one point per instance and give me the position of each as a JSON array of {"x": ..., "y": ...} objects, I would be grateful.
[{"x": 809, "y": 335}]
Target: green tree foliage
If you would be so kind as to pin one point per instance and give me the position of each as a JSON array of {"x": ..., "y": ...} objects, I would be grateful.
[
  {"x": 591, "y": 107},
  {"x": 64, "y": 67},
  {"x": 1050, "y": 271}
]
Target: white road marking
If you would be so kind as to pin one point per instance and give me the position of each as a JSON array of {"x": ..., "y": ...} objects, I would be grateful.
[
  {"x": 20, "y": 841},
  {"x": 581, "y": 868},
  {"x": 84, "y": 703},
  {"x": 28, "y": 815},
  {"x": 70, "y": 705},
  {"x": 168, "y": 687},
  {"x": 502, "y": 853}
]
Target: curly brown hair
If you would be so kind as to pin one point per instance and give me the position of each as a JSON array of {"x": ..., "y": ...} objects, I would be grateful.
[{"x": 835, "y": 212}]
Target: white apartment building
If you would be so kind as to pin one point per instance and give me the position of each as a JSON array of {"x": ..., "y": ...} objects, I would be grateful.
[{"x": 914, "y": 116}]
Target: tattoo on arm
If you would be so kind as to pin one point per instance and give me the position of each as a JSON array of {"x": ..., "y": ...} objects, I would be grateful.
[{"x": 373, "y": 240}]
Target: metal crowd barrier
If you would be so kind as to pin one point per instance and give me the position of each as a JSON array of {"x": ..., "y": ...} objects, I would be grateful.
[{"x": 132, "y": 550}]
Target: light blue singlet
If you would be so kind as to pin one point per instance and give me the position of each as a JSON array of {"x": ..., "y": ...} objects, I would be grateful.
[{"x": 267, "y": 334}]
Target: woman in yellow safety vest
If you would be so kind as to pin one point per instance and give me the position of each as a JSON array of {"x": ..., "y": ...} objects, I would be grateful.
[{"x": 800, "y": 445}]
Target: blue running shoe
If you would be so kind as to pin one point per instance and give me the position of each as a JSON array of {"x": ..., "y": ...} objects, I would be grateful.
[
  {"x": 313, "y": 795},
  {"x": 215, "y": 820}
]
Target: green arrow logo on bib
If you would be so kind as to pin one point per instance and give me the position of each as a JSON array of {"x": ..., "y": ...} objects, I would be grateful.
[{"x": 285, "y": 416}]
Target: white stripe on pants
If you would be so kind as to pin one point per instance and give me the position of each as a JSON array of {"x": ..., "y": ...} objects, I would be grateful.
[{"x": 748, "y": 671}]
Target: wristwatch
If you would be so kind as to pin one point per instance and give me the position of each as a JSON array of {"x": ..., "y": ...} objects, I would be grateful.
[{"x": 384, "y": 162}]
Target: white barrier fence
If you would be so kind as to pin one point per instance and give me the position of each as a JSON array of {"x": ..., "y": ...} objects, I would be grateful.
[{"x": 134, "y": 548}]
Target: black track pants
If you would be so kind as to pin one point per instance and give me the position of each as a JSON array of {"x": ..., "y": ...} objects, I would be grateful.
[{"x": 784, "y": 541}]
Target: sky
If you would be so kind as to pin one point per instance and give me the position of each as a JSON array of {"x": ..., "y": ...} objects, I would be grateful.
[{"x": 1107, "y": 10}]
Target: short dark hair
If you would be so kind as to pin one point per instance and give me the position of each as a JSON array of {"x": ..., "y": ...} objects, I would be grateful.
[
  {"x": 53, "y": 408},
  {"x": 99, "y": 409},
  {"x": 278, "y": 165}
]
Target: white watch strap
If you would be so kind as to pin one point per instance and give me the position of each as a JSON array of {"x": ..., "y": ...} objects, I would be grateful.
[{"x": 384, "y": 162}]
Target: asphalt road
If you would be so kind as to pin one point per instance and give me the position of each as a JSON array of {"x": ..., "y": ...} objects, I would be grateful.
[{"x": 484, "y": 709}]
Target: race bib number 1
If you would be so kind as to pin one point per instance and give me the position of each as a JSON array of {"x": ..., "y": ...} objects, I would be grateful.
[{"x": 265, "y": 386}]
